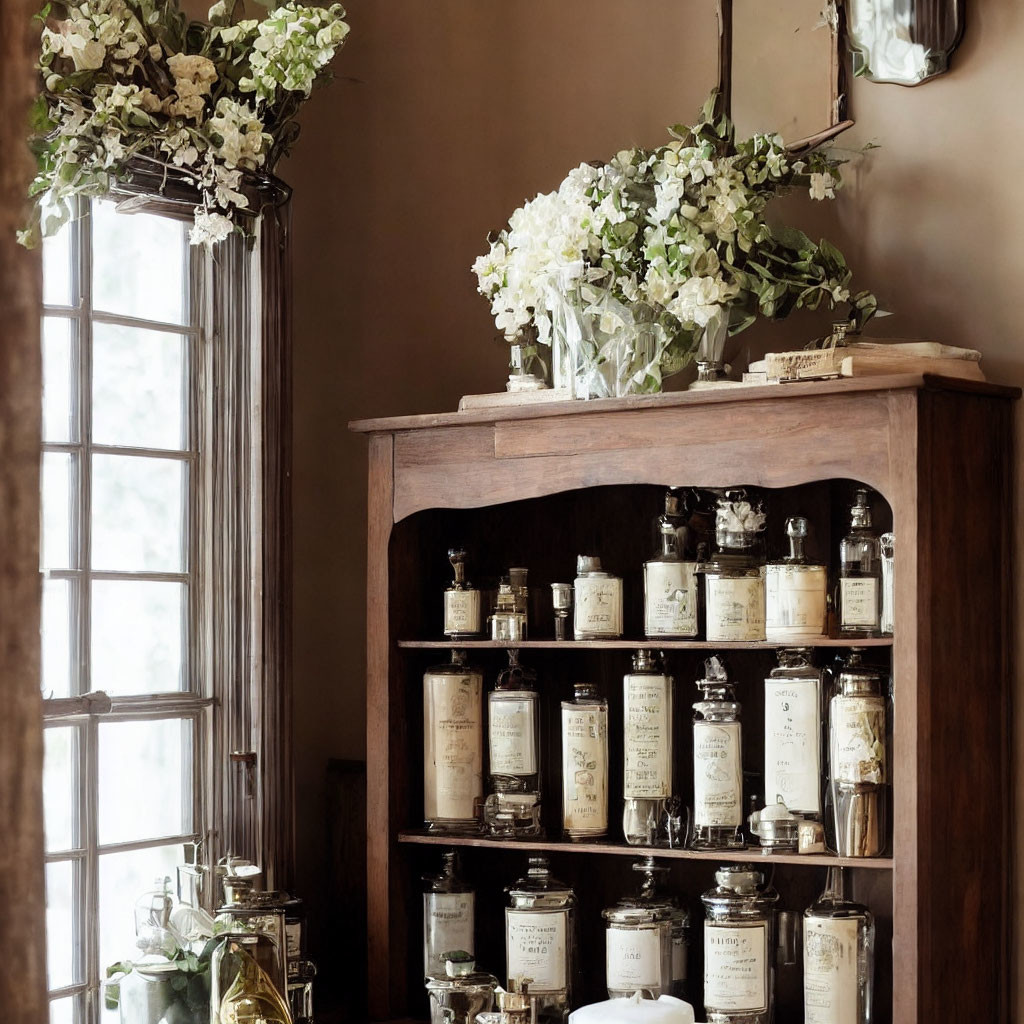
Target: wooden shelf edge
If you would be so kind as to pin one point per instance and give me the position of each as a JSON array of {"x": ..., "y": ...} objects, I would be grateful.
[
  {"x": 752, "y": 855},
  {"x": 631, "y": 645}
]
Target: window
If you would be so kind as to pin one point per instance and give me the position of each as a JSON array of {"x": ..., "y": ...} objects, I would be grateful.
[{"x": 125, "y": 611}]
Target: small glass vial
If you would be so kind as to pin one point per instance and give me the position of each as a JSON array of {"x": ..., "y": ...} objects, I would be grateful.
[
  {"x": 717, "y": 763},
  {"x": 860, "y": 574},
  {"x": 776, "y": 827},
  {"x": 462, "y": 993},
  {"x": 858, "y": 759},
  {"x": 508, "y": 623},
  {"x": 521, "y": 594},
  {"x": 512, "y": 810},
  {"x": 670, "y": 580},
  {"x": 638, "y": 948},
  {"x": 561, "y": 603},
  {"x": 734, "y": 598},
  {"x": 453, "y": 747},
  {"x": 540, "y": 927},
  {"x": 513, "y": 1005},
  {"x": 646, "y": 748},
  {"x": 793, "y": 703},
  {"x": 888, "y": 585},
  {"x": 839, "y": 957},
  {"x": 449, "y": 908},
  {"x": 585, "y": 764},
  {"x": 598, "y": 601},
  {"x": 795, "y": 592},
  {"x": 739, "y": 947},
  {"x": 461, "y": 602},
  {"x": 300, "y": 991}
]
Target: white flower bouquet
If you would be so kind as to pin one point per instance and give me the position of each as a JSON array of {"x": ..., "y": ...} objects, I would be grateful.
[
  {"x": 133, "y": 84},
  {"x": 632, "y": 260}
]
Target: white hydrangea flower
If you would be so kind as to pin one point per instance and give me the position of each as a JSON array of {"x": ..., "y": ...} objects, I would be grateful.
[
  {"x": 822, "y": 186},
  {"x": 236, "y": 134},
  {"x": 209, "y": 228}
]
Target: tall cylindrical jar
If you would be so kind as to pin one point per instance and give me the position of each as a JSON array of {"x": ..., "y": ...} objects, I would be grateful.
[
  {"x": 739, "y": 941},
  {"x": 453, "y": 747},
  {"x": 646, "y": 748},
  {"x": 598, "y": 611},
  {"x": 858, "y": 759},
  {"x": 585, "y": 764},
  {"x": 540, "y": 940}
]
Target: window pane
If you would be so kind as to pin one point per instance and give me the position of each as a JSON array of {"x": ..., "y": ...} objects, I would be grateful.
[
  {"x": 62, "y": 1011},
  {"x": 138, "y": 264},
  {"x": 56, "y": 638},
  {"x": 60, "y": 786},
  {"x": 137, "y": 506},
  {"x": 145, "y": 774},
  {"x": 137, "y": 636},
  {"x": 138, "y": 387},
  {"x": 57, "y": 268},
  {"x": 58, "y": 494},
  {"x": 57, "y": 379},
  {"x": 60, "y": 924},
  {"x": 124, "y": 877}
]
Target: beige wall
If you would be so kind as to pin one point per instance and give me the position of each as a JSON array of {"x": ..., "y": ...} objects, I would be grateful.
[{"x": 458, "y": 110}]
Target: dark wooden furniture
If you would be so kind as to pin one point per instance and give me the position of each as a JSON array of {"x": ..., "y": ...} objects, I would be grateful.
[{"x": 535, "y": 486}]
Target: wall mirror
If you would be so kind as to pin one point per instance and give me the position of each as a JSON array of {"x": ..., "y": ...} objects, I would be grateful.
[
  {"x": 903, "y": 41},
  {"x": 782, "y": 63}
]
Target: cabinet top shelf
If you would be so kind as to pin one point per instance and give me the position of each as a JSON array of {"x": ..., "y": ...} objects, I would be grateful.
[
  {"x": 633, "y": 645},
  {"x": 668, "y": 399},
  {"x": 751, "y": 855}
]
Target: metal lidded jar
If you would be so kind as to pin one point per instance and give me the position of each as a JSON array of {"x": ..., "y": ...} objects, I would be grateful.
[
  {"x": 739, "y": 939},
  {"x": 598, "y": 611}
]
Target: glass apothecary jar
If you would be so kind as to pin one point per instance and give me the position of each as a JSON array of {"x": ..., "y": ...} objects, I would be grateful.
[
  {"x": 463, "y": 991},
  {"x": 585, "y": 764},
  {"x": 449, "y": 915},
  {"x": 598, "y": 601}
]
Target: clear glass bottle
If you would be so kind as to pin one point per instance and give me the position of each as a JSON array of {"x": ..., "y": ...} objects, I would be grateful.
[
  {"x": 540, "y": 936},
  {"x": 521, "y": 594},
  {"x": 241, "y": 990},
  {"x": 793, "y": 705},
  {"x": 734, "y": 601},
  {"x": 795, "y": 592},
  {"x": 638, "y": 948},
  {"x": 462, "y": 993},
  {"x": 462, "y": 616},
  {"x": 300, "y": 991},
  {"x": 858, "y": 759},
  {"x": 512, "y": 1005},
  {"x": 670, "y": 580},
  {"x": 839, "y": 957},
  {"x": 508, "y": 623},
  {"x": 886, "y": 545},
  {"x": 513, "y": 730},
  {"x": 739, "y": 947},
  {"x": 453, "y": 747},
  {"x": 860, "y": 573},
  {"x": 598, "y": 612},
  {"x": 255, "y": 922},
  {"x": 717, "y": 763},
  {"x": 449, "y": 915},
  {"x": 646, "y": 748},
  {"x": 652, "y": 893},
  {"x": 585, "y": 764}
]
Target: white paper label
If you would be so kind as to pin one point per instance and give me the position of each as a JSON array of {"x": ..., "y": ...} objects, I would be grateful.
[
  {"x": 598, "y": 606},
  {"x": 735, "y": 607},
  {"x": 647, "y": 743},
  {"x": 461, "y": 611},
  {"x": 535, "y": 943},
  {"x": 795, "y": 599},
  {"x": 830, "y": 971},
  {"x": 447, "y": 926},
  {"x": 584, "y": 769},
  {"x": 792, "y": 756},
  {"x": 735, "y": 967},
  {"x": 511, "y": 733},
  {"x": 858, "y": 602},
  {"x": 670, "y": 599},
  {"x": 858, "y": 739},
  {"x": 717, "y": 774},
  {"x": 452, "y": 746},
  {"x": 633, "y": 958}
]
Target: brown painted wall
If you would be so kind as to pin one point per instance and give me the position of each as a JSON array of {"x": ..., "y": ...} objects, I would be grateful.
[{"x": 459, "y": 110}]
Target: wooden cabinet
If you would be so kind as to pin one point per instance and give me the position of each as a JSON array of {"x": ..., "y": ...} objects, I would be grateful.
[{"x": 536, "y": 486}]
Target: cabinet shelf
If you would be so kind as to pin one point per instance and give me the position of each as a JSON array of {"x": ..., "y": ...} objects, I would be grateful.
[
  {"x": 752, "y": 854},
  {"x": 632, "y": 645}
]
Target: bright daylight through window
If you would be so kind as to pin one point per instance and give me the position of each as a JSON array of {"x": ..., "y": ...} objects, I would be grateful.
[{"x": 125, "y": 778}]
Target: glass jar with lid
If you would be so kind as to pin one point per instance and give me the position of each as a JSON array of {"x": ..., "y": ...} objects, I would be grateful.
[
  {"x": 598, "y": 604},
  {"x": 585, "y": 764},
  {"x": 462, "y": 993}
]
